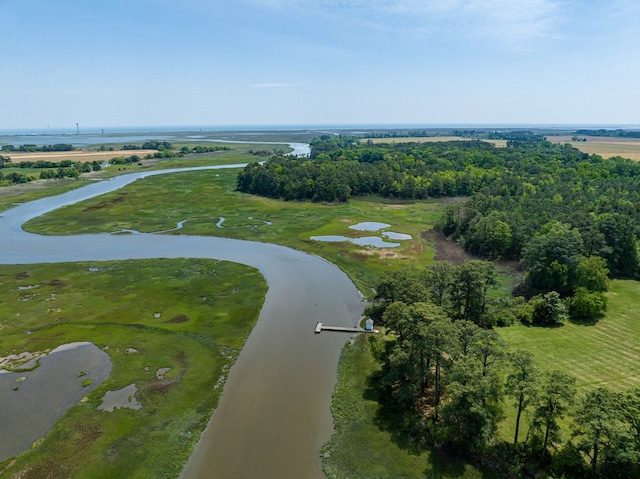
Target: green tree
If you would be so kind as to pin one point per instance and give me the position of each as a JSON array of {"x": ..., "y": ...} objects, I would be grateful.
[
  {"x": 548, "y": 309},
  {"x": 469, "y": 287},
  {"x": 489, "y": 236},
  {"x": 552, "y": 258},
  {"x": 557, "y": 394},
  {"x": 522, "y": 382},
  {"x": 601, "y": 431},
  {"x": 443, "y": 345},
  {"x": 587, "y": 306},
  {"x": 469, "y": 417},
  {"x": 593, "y": 274},
  {"x": 438, "y": 277}
]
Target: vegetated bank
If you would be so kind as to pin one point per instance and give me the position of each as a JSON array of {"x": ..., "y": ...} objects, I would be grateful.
[{"x": 570, "y": 219}]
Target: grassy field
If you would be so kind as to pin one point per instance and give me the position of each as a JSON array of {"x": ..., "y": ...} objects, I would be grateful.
[
  {"x": 201, "y": 198},
  {"x": 605, "y": 354},
  {"x": 604, "y": 146},
  {"x": 188, "y": 315}
]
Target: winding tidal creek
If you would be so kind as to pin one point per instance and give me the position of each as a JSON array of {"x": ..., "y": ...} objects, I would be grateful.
[{"x": 274, "y": 414}]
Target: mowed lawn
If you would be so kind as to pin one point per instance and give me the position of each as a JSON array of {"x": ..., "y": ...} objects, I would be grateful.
[{"x": 605, "y": 354}]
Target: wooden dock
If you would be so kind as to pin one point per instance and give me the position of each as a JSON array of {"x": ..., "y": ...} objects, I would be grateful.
[{"x": 325, "y": 327}]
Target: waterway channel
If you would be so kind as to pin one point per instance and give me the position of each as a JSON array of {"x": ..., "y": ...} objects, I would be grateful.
[{"x": 274, "y": 414}]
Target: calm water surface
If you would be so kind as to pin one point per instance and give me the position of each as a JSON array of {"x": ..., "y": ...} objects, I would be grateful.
[{"x": 274, "y": 414}]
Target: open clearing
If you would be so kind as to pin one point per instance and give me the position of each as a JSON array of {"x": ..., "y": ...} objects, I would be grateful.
[
  {"x": 604, "y": 146},
  {"x": 606, "y": 354},
  {"x": 76, "y": 155}
]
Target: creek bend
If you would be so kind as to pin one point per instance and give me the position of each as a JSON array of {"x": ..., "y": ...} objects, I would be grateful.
[{"x": 274, "y": 414}]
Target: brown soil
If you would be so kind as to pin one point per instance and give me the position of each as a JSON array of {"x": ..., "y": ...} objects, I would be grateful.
[
  {"x": 180, "y": 318},
  {"x": 105, "y": 204},
  {"x": 446, "y": 250}
]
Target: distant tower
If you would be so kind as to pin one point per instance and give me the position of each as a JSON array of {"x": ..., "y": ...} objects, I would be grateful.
[{"x": 77, "y": 129}]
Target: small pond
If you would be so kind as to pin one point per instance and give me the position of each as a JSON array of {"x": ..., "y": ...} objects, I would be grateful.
[
  {"x": 373, "y": 241},
  {"x": 369, "y": 226},
  {"x": 396, "y": 236}
]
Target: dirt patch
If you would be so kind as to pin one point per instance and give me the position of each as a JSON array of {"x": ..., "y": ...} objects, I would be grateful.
[
  {"x": 180, "y": 318},
  {"x": 382, "y": 253},
  {"x": 57, "y": 283},
  {"x": 447, "y": 250},
  {"x": 23, "y": 275},
  {"x": 158, "y": 387},
  {"x": 105, "y": 204}
]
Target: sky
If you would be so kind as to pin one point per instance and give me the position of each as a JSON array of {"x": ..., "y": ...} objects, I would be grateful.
[{"x": 117, "y": 63}]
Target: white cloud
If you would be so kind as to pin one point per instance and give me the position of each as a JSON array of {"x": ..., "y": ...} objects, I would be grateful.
[{"x": 509, "y": 22}]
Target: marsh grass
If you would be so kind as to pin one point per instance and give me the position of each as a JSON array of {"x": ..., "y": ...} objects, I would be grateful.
[
  {"x": 200, "y": 199},
  {"x": 123, "y": 305}
]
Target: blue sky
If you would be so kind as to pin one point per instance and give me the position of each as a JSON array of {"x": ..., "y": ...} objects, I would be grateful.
[{"x": 109, "y": 63}]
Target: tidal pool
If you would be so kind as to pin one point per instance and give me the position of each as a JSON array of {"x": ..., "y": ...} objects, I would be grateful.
[
  {"x": 374, "y": 241},
  {"x": 369, "y": 226},
  {"x": 31, "y": 406},
  {"x": 396, "y": 236}
]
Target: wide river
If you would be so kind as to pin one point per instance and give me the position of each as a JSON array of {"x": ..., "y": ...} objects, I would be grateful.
[{"x": 274, "y": 414}]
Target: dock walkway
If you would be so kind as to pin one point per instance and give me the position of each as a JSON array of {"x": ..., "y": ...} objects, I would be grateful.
[{"x": 325, "y": 327}]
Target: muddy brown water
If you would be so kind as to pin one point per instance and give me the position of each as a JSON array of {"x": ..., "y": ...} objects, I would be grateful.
[{"x": 274, "y": 414}]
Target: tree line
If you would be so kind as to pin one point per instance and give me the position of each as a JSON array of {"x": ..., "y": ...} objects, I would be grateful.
[
  {"x": 29, "y": 148},
  {"x": 618, "y": 133}
]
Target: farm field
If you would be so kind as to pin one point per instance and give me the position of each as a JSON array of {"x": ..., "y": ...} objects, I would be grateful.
[
  {"x": 76, "y": 155},
  {"x": 606, "y": 147}
]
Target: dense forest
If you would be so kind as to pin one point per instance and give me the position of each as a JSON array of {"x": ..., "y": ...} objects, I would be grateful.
[
  {"x": 569, "y": 218},
  {"x": 522, "y": 198}
]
